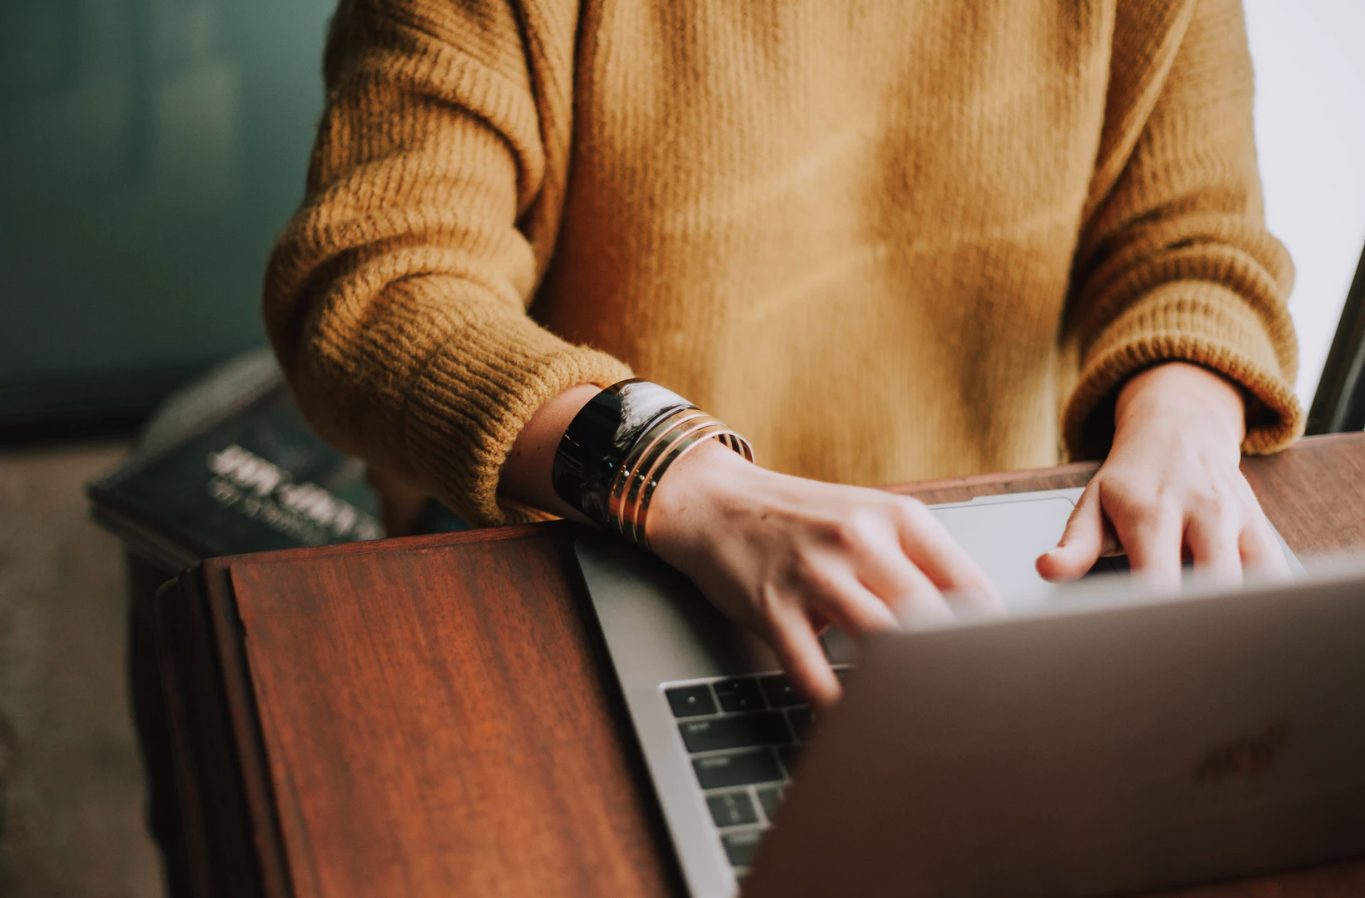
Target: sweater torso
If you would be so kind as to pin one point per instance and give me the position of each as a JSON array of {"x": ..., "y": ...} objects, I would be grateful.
[{"x": 846, "y": 232}]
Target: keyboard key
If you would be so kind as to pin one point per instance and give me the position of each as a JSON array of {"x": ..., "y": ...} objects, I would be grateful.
[
  {"x": 740, "y": 768},
  {"x": 732, "y": 808},
  {"x": 802, "y": 721},
  {"x": 739, "y": 846},
  {"x": 739, "y": 695},
  {"x": 690, "y": 701},
  {"x": 791, "y": 756},
  {"x": 780, "y": 692},
  {"x": 769, "y": 797},
  {"x": 737, "y": 731}
]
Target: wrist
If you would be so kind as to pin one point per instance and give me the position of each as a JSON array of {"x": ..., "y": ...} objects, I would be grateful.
[
  {"x": 1185, "y": 396},
  {"x": 700, "y": 486},
  {"x": 527, "y": 475},
  {"x": 620, "y": 447}
]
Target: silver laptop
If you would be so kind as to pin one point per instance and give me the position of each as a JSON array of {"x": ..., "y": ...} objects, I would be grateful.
[{"x": 1090, "y": 742}]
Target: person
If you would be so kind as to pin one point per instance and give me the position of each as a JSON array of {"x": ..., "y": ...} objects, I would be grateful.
[{"x": 882, "y": 243}]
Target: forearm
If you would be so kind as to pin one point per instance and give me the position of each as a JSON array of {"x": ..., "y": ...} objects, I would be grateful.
[
  {"x": 396, "y": 298},
  {"x": 1175, "y": 262},
  {"x": 526, "y": 476},
  {"x": 1185, "y": 391}
]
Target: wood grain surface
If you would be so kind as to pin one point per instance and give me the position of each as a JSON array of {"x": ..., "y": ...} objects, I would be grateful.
[{"x": 435, "y": 716}]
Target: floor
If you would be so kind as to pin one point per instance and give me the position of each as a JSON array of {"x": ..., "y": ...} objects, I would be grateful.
[{"x": 70, "y": 780}]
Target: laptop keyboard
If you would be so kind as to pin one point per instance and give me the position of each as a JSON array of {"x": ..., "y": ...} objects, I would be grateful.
[{"x": 743, "y": 736}]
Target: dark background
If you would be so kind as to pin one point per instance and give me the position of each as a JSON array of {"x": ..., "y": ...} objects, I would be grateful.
[{"x": 150, "y": 151}]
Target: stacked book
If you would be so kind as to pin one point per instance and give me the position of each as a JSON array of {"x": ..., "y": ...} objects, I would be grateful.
[{"x": 230, "y": 466}]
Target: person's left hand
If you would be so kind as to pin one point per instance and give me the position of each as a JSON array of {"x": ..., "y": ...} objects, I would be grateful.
[{"x": 1171, "y": 487}]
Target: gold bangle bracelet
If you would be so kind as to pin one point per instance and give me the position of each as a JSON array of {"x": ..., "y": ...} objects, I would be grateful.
[
  {"x": 669, "y": 450},
  {"x": 640, "y": 533},
  {"x": 651, "y": 446},
  {"x": 655, "y": 451},
  {"x": 649, "y": 457}
]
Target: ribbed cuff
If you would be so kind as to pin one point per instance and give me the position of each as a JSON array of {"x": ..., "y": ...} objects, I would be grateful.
[
  {"x": 473, "y": 399},
  {"x": 1201, "y": 323}
]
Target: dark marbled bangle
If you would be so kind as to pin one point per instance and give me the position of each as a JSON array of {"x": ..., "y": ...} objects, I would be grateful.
[{"x": 598, "y": 439}]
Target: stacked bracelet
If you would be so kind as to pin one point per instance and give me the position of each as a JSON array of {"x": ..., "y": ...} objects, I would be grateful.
[{"x": 617, "y": 449}]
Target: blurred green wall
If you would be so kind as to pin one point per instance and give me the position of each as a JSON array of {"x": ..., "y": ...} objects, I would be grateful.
[{"x": 149, "y": 151}]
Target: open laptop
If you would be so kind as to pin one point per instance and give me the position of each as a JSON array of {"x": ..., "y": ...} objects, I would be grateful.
[{"x": 1064, "y": 729}]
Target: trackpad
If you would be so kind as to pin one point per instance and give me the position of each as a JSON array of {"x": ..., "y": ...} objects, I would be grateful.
[{"x": 1005, "y": 538}]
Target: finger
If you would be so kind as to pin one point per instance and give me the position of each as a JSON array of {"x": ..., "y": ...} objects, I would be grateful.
[
  {"x": 818, "y": 622},
  {"x": 930, "y": 548},
  {"x": 894, "y": 578},
  {"x": 803, "y": 658},
  {"x": 853, "y": 607},
  {"x": 1081, "y": 543},
  {"x": 1152, "y": 539},
  {"x": 1261, "y": 551},
  {"x": 1213, "y": 543}
]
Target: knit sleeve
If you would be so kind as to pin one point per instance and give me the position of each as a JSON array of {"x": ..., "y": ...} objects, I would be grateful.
[
  {"x": 1175, "y": 262},
  {"x": 396, "y": 299}
]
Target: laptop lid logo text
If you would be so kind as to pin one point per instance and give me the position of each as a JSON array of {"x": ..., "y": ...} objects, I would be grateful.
[{"x": 1242, "y": 757}]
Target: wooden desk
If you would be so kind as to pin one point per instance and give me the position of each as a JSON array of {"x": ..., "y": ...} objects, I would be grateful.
[{"x": 435, "y": 716}]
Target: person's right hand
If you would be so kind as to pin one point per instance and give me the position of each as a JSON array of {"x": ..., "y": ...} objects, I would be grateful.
[{"x": 783, "y": 556}]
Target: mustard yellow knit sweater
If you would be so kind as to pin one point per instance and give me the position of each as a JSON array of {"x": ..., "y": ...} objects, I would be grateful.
[{"x": 885, "y": 241}]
